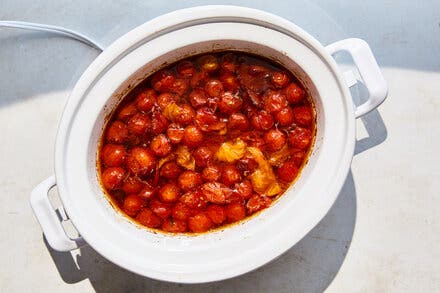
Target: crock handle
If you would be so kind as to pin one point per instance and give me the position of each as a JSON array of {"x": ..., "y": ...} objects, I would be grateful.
[
  {"x": 49, "y": 220},
  {"x": 369, "y": 70}
]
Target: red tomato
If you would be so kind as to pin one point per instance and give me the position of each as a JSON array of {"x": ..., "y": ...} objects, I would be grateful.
[
  {"x": 212, "y": 173},
  {"x": 175, "y": 133},
  {"x": 202, "y": 156},
  {"x": 287, "y": 171},
  {"x": 169, "y": 193},
  {"x": 189, "y": 180},
  {"x": 160, "y": 145},
  {"x": 132, "y": 185},
  {"x": 147, "y": 218},
  {"x": 192, "y": 136},
  {"x": 113, "y": 177},
  {"x": 181, "y": 211},
  {"x": 262, "y": 121},
  {"x": 214, "y": 88},
  {"x": 275, "y": 139},
  {"x": 200, "y": 223},
  {"x": 186, "y": 69},
  {"x": 132, "y": 204},
  {"x": 230, "y": 175},
  {"x": 303, "y": 115},
  {"x": 198, "y": 98},
  {"x": 294, "y": 93},
  {"x": 235, "y": 212},
  {"x": 146, "y": 99},
  {"x": 162, "y": 81},
  {"x": 216, "y": 213},
  {"x": 170, "y": 170},
  {"x": 285, "y": 116},
  {"x": 161, "y": 209},
  {"x": 139, "y": 124},
  {"x": 174, "y": 226},
  {"x": 300, "y": 137},
  {"x": 279, "y": 79},
  {"x": 117, "y": 132},
  {"x": 229, "y": 103},
  {"x": 238, "y": 121},
  {"x": 113, "y": 155},
  {"x": 274, "y": 101},
  {"x": 258, "y": 202},
  {"x": 126, "y": 112},
  {"x": 141, "y": 161}
]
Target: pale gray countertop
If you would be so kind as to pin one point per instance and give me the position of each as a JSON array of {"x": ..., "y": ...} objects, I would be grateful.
[{"x": 381, "y": 235}]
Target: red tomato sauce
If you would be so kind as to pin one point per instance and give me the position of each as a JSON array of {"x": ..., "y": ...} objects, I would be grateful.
[{"x": 206, "y": 142}]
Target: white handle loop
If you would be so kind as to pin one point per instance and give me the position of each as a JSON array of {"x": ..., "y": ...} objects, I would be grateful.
[
  {"x": 48, "y": 219},
  {"x": 369, "y": 70}
]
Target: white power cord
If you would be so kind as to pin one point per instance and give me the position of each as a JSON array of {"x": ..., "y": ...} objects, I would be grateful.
[{"x": 53, "y": 29}]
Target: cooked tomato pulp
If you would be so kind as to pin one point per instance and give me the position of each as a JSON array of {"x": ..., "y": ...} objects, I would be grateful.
[{"x": 205, "y": 142}]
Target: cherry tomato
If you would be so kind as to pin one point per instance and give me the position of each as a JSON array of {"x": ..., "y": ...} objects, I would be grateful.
[
  {"x": 163, "y": 210},
  {"x": 162, "y": 81},
  {"x": 238, "y": 121},
  {"x": 275, "y": 139},
  {"x": 189, "y": 180},
  {"x": 199, "y": 223},
  {"x": 158, "y": 123},
  {"x": 192, "y": 136},
  {"x": 198, "y": 98},
  {"x": 216, "y": 192},
  {"x": 230, "y": 175},
  {"x": 202, "y": 156},
  {"x": 300, "y": 137},
  {"x": 244, "y": 189},
  {"x": 117, "y": 132},
  {"x": 303, "y": 115},
  {"x": 294, "y": 93},
  {"x": 212, "y": 173},
  {"x": 287, "y": 171},
  {"x": 229, "y": 103},
  {"x": 216, "y": 213},
  {"x": 147, "y": 218},
  {"x": 160, "y": 145},
  {"x": 141, "y": 161},
  {"x": 139, "y": 124},
  {"x": 132, "y": 185},
  {"x": 214, "y": 88},
  {"x": 132, "y": 204},
  {"x": 180, "y": 86},
  {"x": 229, "y": 63},
  {"x": 285, "y": 116},
  {"x": 175, "y": 133},
  {"x": 193, "y": 199},
  {"x": 126, "y": 112},
  {"x": 174, "y": 226},
  {"x": 208, "y": 63},
  {"x": 113, "y": 155},
  {"x": 147, "y": 193},
  {"x": 229, "y": 81},
  {"x": 169, "y": 193},
  {"x": 146, "y": 99},
  {"x": 181, "y": 211},
  {"x": 274, "y": 101},
  {"x": 186, "y": 115},
  {"x": 258, "y": 202},
  {"x": 170, "y": 170},
  {"x": 262, "y": 121},
  {"x": 113, "y": 177},
  {"x": 279, "y": 79},
  {"x": 235, "y": 212},
  {"x": 163, "y": 100},
  {"x": 186, "y": 69}
]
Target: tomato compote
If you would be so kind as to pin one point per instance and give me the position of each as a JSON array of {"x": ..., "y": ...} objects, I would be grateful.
[{"x": 207, "y": 141}]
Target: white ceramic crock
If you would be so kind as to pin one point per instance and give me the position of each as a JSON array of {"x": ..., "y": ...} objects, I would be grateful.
[{"x": 238, "y": 249}]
